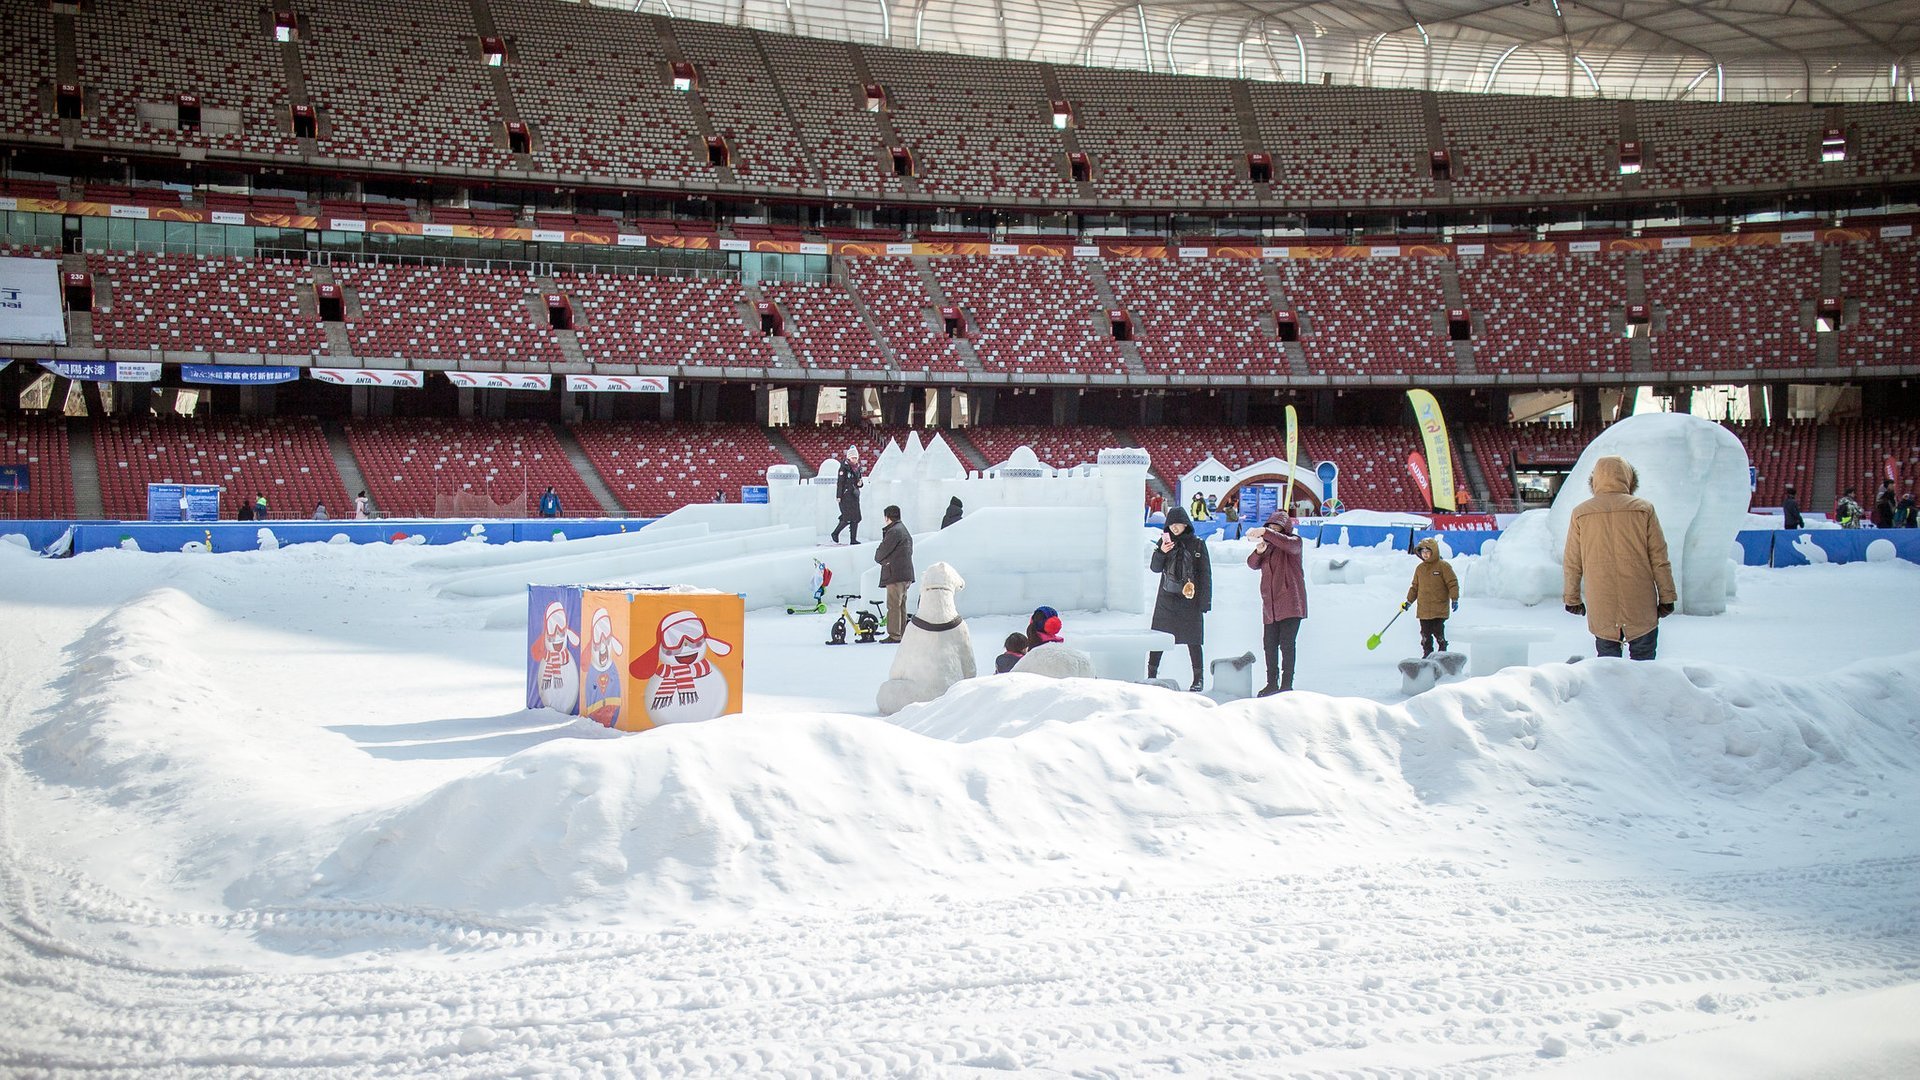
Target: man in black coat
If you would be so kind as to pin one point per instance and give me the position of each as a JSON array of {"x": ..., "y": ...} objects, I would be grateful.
[
  {"x": 1883, "y": 506},
  {"x": 1790, "y": 510},
  {"x": 895, "y": 556},
  {"x": 846, "y": 489},
  {"x": 1185, "y": 591}
]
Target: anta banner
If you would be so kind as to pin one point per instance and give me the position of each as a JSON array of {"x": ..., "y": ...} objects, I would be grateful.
[
  {"x": 1433, "y": 433},
  {"x": 236, "y": 376},
  {"x": 500, "y": 380},
  {"x": 1893, "y": 469},
  {"x": 102, "y": 371},
  {"x": 619, "y": 384},
  {"x": 1465, "y": 522},
  {"x": 340, "y": 376},
  {"x": 30, "y": 309},
  {"x": 1419, "y": 470}
]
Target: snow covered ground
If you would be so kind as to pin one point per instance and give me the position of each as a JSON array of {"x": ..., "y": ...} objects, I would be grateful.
[{"x": 279, "y": 812}]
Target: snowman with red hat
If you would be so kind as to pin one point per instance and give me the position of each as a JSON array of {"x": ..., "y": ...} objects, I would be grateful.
[{"x": 683, "y": 685}]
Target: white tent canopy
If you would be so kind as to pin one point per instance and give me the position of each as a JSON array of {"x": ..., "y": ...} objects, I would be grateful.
[{"x": 1769, "y": 50}]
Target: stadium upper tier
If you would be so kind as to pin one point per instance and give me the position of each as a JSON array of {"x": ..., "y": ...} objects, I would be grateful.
[
  {"x": 587, "y": 96},
  {"x": 1828, "y": 304}
]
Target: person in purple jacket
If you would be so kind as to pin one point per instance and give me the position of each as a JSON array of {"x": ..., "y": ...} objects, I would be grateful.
[{"x": 1283, "y": 596}]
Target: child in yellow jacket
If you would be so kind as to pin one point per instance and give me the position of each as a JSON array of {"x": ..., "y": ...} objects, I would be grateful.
[{"x": 1438, "y": 592}]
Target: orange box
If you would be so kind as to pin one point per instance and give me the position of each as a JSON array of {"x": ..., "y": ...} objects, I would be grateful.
[{"x": 651, "y": 658}]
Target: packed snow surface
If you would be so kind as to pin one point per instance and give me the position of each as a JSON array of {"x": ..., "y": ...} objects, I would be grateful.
[{"x": 279, "y": 812}]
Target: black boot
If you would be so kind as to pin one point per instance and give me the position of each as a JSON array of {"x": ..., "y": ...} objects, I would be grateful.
[{"x": 1269, "y": 690}]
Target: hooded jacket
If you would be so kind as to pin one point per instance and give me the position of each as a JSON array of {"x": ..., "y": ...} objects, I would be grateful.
[
  {"x": 1283, "y": 580},
  {"x": 1434, "y": 584},
  {"x": 1616, "y": 556},
  {"x": 953, "y": 512},
  {"x": 1186, "y": 564}
]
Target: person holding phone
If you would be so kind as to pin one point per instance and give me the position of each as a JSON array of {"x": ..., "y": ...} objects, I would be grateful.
[
  {"x": 1185, "y": 592},
  {"x": 1283, "y": 596}
]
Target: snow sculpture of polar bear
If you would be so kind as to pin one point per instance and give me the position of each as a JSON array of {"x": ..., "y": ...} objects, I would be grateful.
[{"x": 936, "y": 651}]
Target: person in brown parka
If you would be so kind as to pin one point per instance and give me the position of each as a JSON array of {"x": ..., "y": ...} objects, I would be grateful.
[
  {"x": 1438, "y": 592},
  {"x": 1615, "y": 549}
]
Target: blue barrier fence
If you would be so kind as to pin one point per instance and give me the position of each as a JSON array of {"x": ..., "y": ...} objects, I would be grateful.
[{"x": 245, "y": 535}]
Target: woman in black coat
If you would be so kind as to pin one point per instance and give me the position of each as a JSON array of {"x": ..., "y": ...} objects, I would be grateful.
[
  {"x": 953, "y": 512},
  {"x": 1185, "y": 591}
]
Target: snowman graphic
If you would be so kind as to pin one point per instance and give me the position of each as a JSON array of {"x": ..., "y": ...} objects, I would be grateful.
[
  {"x": 557, "y": 684},
  {"x": 601, "y": 702},
  {"x": 683, "y": 685}
]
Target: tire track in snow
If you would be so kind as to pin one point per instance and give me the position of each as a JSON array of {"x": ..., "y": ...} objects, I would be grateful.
[{"x": 1297, "y": 975}]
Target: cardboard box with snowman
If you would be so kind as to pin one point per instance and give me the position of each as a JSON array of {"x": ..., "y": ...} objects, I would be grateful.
[{"x": 638, "y": 657}]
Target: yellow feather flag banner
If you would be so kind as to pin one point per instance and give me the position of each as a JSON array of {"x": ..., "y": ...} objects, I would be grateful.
[
  {"x": 1293, "y": 454},
  {"x": 1433, "y": 431}
]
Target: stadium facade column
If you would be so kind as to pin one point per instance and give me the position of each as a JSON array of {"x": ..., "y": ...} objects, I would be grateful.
[
  {"x": 1066, "y": 405},
  {"x": 1586, "y": 405}
]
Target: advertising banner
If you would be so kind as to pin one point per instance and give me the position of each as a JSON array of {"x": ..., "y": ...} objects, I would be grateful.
[
  {"x": 619, "y": 384},
  {"x": 1433, "y": 432},
  {"x": 500, "y": 380},
  {"x": 1419, "y": 470},
  {"x": 1464, "y": 522},
  {"x": 102, "y": 371},
  {"x": 753, "y": 493},
  {"x": 236, "y": 376},
  {"x": 16, "y": 478},
  {"x": 30, "y": 308},
  {"x": 368, "y": 377}
]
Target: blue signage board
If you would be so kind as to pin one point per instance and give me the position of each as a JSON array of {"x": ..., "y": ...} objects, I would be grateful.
[
  {"x": 183, "y": 502},
  {"x": 750, "y": 493},
  {"x": 16, "y": 478}
]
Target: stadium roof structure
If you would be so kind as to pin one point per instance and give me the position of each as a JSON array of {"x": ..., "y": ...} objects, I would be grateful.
[{"x": 1807, "y": 51}]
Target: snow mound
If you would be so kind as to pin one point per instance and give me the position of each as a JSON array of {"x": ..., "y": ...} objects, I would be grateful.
[{"x": 1079, "y": 777}]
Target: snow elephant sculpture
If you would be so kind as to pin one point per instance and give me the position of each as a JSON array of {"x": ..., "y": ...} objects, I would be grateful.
[{"x": 1694, "y": 472}]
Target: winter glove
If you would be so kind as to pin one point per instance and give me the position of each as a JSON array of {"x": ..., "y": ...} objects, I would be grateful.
[
  {"x": 1456, "y": 605},
  {"x": 1664, "y": 610},
  {"x": 1405, "y": 604},
  {"x": 1576, "y": 609}
]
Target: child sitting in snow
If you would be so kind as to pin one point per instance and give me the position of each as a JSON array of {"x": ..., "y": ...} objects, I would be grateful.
[
  {"x": 1016, "y": 646},
  {"x": 1438, "y": 592}
]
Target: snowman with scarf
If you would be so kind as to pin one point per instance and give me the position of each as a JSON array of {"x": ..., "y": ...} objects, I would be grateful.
[
  {"x": 558, "y": 684},
  {"x": 683, "y": 685}
]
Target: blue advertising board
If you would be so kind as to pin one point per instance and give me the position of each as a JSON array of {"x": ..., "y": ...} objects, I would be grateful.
[
  {"x": 753, "y": 493},
  {"x": 16, "y": 478},
  {"x": 183, "y": 502}
]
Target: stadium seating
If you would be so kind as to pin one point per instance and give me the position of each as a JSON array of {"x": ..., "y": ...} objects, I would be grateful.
[
  {"x": 1158, "y": 136},
  {"x": 40, "y": 445},
  {"x": 26, "y": 64},
  {"x": 285, "y": 458},
  {"x": 1343, "y": 142},
  {"x": 433, "y": 466},
  {"x": 1370, "y": 316},
  {"x": 1888, "y": 142},
  {"x": 742, "y": 97},
  {"x": 1780, "y": 454},
  {"x": 904, "y": 314},
  {"x": 1198, "y": 316},
  {"x": 656, "y": 468},
  {"x": 402, "y": 81},
  {"x": 977, "y": 127},
  {"x": 206, "y": 303},
  {"x": 1522, "y": 146},
  {"x": 1733, "y": 307},
  {"x": 816, "y": 444},
  {"x": 823, "y": 327},
  {"x": 149, "y": 52},
  {"x": 593, "y": 83},
  {"x": 446, "y": 313},
  {"x": 633, "y": 319},
  {"x": 1699, "y": 145},
  {"x": 1061, "y": 446},
  {"x": 1494, "y": 447},
  {"x": 1034, "y": 316},
  {"x": 1865, "y": 446},
  {"x": 1546, "y": 314},
  {"x": 1884, "y": 278},
  {"x": 824, "y": 94}
]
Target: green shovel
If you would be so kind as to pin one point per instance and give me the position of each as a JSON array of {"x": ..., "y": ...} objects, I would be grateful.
[{"x": 1374, "y": 641}]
